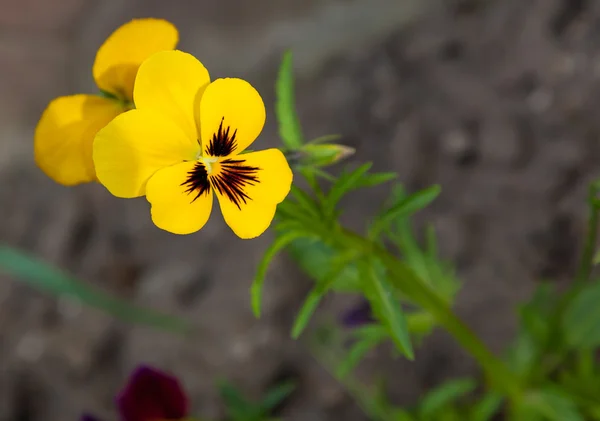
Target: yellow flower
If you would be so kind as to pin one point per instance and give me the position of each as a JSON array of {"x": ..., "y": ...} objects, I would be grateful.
[
  {"x": 184, "y": 141},
  {"x": 64, "y": 135}
]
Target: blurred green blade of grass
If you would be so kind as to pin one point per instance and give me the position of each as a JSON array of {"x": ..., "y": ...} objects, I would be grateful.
[{"x": 42, "y": 276}]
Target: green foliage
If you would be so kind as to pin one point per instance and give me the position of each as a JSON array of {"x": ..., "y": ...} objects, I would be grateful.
[
  {"x": 388, "y": 310},
  {"x": 435, "y": 403},
  {"x": 45, "y": 277},
  {"x": 278, "y": 244},
  {"x": 241, "y": 409},
  {"x": 285, "y": 108},
  {"x": 581, "y": 322}
]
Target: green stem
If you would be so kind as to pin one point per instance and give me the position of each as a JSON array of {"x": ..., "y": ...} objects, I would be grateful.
[
  {"x": 585, "y": 267},
  {"x": 405, "y": 280}
]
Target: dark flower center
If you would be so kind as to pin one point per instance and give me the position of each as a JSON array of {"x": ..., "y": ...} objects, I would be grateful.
[
  {"x": 229, "y": 177},
  {"x": 222, "y": 142}
]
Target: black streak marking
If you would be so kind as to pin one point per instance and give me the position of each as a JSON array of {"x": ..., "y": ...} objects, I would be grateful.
[
  {"x": 231, "y": 179},
  {"x": 197, "y": 181},
  {"x": 222, "y": 144}
]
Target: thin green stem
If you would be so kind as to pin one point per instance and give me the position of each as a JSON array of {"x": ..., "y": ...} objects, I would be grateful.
[
  {"x": 405, "y": 280},
  {"x": 585, "y": 267}
]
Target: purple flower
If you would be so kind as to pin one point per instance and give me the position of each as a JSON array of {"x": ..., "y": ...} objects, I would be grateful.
[
  {"x": 359, "y": 315},
  {"x": 152, "y": 395},
  {"x": 88, "y": 417}
]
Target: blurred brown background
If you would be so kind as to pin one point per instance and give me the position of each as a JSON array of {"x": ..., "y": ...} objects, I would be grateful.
[{"x": 497, "y": 100}]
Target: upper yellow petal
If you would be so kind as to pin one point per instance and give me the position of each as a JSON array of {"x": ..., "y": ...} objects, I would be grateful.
[
  {"x": 232, "y": 115},
  {"x": 136, "y": 144},
  {"x": 64, "y": 135},
  {"x": 174, "y": 208},
  {"x": 171, "y": 83},
  {"x": 249, "y": 187},
  {"x": 119, "y": 58}
]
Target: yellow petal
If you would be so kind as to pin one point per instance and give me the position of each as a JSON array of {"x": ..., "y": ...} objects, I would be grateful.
[
  {"x": 174, "y": 208},
  {"x": 136, "y": 144},
  {"x": 232, "y": 115},
  {"x": 119, "y": 58},
  {"x": 251, "y": 220},
  {"x": 261, "y": 181},
  {"x": 171, "y": 83},
  {"x": 64, "y": 135}
]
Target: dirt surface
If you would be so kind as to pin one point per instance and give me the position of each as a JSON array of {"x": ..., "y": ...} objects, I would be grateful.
[{"x": 495, "y": 100}]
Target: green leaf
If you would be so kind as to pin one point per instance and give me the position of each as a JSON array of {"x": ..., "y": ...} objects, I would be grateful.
[
  {"x": 404, "y": 208},
  {"x": 280, "y": 243},
  {"x": 366, "y": 341},
  {"x": 45, "y": 277},
  {"x": 307, "y": 203},
  {"x": 308, "y": 308},
  {"x": 551, "y": 404},
  {"x": 314, "y": 257},
  {"x": 338, "y": 265},
  {"x": 276, "y": 395},
  {"x": 285, "y": 108},
  {"x": 238, "y": 407},
  {"x": 375, "y": 179},
  {"x": 444, "y": 395},
  {"x": 345, "y": 182},
  {"x": 389, "y": 311},
  {"x": 580, "y": 320},
  {"x": 486, "y": 408}
]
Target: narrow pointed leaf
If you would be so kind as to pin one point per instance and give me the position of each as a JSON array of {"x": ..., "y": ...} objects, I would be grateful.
[
  {"x": 285, "y": 108},
  {"x": 45, "y": 277},
  {"x": 280, "y": 243},
  {"x": 388, "y": 309},
  {"x": 405, "y": 207}
]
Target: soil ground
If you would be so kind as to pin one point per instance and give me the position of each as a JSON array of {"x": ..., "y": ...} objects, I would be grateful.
[{"x": 496, "y": 100}]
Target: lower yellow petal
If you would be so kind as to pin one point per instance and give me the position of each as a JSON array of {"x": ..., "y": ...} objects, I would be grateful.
[
  {"x": 174, "y": 208},
  {"x": 119, "y": 58},
  {"x": 248, "y": 221},
  {"x": 64, "y": 135},
  {"x": 136, "y": 144},
  {"x": 249, "y": 187}
]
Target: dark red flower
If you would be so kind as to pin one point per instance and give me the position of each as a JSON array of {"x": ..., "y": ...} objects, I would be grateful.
[{"x": 152, "y": 395}]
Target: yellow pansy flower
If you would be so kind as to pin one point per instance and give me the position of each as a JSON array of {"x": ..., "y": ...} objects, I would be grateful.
[
  {"x": 64, "y": 135},
  {"x": 184, "y": 141}
]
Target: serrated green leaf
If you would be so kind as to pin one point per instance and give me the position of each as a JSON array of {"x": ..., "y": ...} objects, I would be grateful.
[
  {"x": 404, "y": 208},
  {"x": 45, "y": 277},
  {"x": 580, "y": 320},
  {"x": 285, "y": 108},
  {"x": 389, "y": 311},
  {"x": 444, "y": 395},
  {"x": 280, "y": 243}
]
